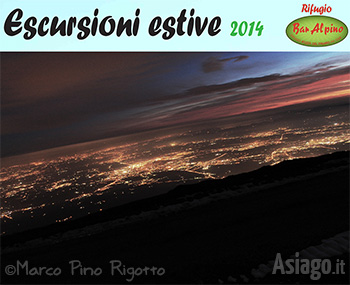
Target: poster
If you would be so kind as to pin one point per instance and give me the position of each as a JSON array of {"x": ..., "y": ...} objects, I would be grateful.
[{"x": 183, "y": 142}]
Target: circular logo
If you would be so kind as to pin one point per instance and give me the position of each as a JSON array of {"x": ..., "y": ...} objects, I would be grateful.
[{"x": 316, "y": 31}]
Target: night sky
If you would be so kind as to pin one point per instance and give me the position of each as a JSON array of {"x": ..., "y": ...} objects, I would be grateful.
[{"x": 54, "y": 99}]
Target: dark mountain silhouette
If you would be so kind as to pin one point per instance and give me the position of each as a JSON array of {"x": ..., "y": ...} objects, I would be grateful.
[
  {"x": 291, "y": 169},
  {"x": 282, "y": 208}
]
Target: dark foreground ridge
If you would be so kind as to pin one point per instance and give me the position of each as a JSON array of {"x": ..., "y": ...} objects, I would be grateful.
[
  {"x": 290, "y": 169},
  {"x": 298, "y": 203}
]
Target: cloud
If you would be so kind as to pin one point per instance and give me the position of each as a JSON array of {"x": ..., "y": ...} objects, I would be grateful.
[
  {"x": 42, "y": 91},
  {"x": 249, "y": 95},
  {"x": 74, "y": 97},
  {"x": 213, "y": 64}
]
